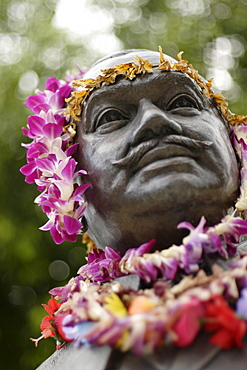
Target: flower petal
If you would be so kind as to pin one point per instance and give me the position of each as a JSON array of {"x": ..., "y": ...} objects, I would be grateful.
[{"x": 72, "y": 225}]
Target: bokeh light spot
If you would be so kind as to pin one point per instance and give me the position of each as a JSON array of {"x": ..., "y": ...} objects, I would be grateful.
[
  {"x": 222, "y": 11},
  {"x": 22, "y": 295},
  {"x": 59, "y": 270},
  {"x": 77, "y": 256},
  {"x": 28, "y": 82},
  {"x": 81, "y": 18}
]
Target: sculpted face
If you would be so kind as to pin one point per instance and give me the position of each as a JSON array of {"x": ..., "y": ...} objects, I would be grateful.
[{"x": 157, "y": 153}]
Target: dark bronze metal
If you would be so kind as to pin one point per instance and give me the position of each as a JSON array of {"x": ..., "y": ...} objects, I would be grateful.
[{"x": 157, "y": 152}]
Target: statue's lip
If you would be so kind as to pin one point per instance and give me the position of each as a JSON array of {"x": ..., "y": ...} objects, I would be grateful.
[
  {"x": 161, "y": 148},
  {"x": 164, "y": 152}
]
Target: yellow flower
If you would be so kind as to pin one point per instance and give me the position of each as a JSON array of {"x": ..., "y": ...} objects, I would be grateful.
[
  {"x": 115, "y": 305},
  {"x": 132, "y": 72},
  {"x": 179, "y": 56},
  {"x": 121, "y": 341},
  {"x": 123, "y": 68}
]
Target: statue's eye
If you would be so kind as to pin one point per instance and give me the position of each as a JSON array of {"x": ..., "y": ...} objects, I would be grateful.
[
  {"x": 111, "y": 115},
  {"x": 183, "y": 101}
]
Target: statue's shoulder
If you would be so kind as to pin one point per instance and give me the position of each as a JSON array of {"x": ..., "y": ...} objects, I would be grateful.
[
  {"x": 199, "y": 355},
  {"x": 71, "y": 357}
]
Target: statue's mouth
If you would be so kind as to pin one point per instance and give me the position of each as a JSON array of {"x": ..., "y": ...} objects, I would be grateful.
[
  {"x": 163, "y": 157},
  {"x": 156, "y": 149}
]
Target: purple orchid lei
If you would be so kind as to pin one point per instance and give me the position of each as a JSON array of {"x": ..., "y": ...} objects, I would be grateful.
[
  {"x": 106, "y": 265},
  {"x": 50, "y": 163},
  {"x": 94, "y": 309}
]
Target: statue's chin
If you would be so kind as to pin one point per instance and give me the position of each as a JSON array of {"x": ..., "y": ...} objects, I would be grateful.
[{"x": 130, "y": 231}]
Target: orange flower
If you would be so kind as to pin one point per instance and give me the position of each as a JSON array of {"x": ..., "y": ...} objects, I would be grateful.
[{"x": 140, "y": 305}]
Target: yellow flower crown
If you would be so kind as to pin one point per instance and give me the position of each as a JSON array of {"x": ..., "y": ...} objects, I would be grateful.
[{"x": 131, "y": 70}]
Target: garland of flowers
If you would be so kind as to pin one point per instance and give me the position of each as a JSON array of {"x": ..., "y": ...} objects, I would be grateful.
[
  {"x": 143, "y": 320},
  {"x": 95, "y": 310},
  {"x": 50, "y": 162}
]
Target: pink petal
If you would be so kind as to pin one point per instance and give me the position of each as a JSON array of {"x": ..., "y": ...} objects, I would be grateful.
[
  {"x": 52, "y": 84},
  {"x": 112, "y": 254},
  {"x": 69, "y": 169},
  {"x": 57, "y": 99},
  {"x": 71, "y": 150},
  {"x": 71, "y": 224},
  {"x": 80, "y": 210},
  {"x": 30, "y": 179},
  {"x": 36, "y": 150},
  {"x": 28, "y": 168},
  {"x": 45, "y": 164},
  {"x": 37, "y": 103},
  {"x": 50, "y": 118},
  {"x": 52, "y": 130},
  {"x": 49, "y": 224},
  {"x": 70, "y": 237},
  {"x": 81, "y": 189},
  {"x": 56, "y": 236},
  {"x": 36, "y": 124},
  {"x": 26, "y": 132}
]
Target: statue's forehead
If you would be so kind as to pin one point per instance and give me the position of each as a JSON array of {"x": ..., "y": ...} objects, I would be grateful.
[
  {"x": 108, "y": 70},
  {"x": 152, "y": 84},
  {"x": 152, "y": 56}
]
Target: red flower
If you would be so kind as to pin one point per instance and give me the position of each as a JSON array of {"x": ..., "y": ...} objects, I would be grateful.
[
  {"x": 52, "y": 306},
  {"x": 51, "y": 325},
  {"x": 47, "y": 325},
  {"x": 221, "y": 319},
  {"x": 188, "y": 324}
]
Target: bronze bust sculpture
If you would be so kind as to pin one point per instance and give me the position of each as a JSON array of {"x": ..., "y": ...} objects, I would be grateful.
[{"x": 156, "y": 152}]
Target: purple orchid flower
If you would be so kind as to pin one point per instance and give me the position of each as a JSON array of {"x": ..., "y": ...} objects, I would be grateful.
[
  {"x": 241, "y": 305},
  {"x": 49, "y": 161}
]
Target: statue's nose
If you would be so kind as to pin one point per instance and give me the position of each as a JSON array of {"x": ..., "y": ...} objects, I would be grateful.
[{"x": 152, "y": 122}]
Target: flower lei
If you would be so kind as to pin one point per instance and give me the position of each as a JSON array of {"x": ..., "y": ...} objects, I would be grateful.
[
  {"x": 143, "y": 320},
  {"x": 95, "y": 310},
  {"x": 50, "y": 162}
]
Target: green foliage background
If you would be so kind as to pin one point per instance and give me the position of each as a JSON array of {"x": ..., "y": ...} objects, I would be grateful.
[{"x": 30, "y": 45}]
